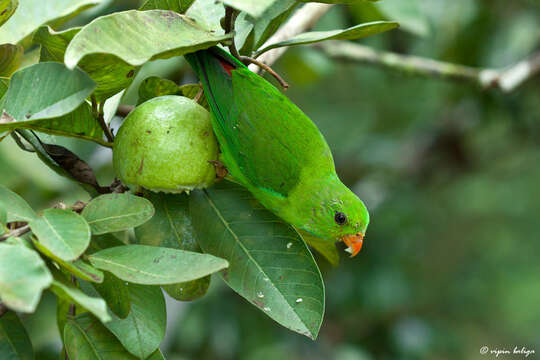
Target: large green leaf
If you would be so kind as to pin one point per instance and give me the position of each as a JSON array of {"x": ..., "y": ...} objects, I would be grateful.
[
  {"x": 53, "y": 43},
  {"x": 171, "y": 227},
  {"x": 355, "y": 32},
  {"x": 31, "y": 14},
  {"x": 4, "y": 84},
  {"x": 17, "y": 209},
  {"x": 96, "y": 306},
  {"x": 154, "y": 86},
  {"x": 180, "y": 6},
  {"x": 23, "y": 276},
  {"x": 208, "y": 13},
  {"x": 116, "y": 212},
  {"x": 155, "y": 34},
  {"x": 151, "y": 265},
  {"x": 171, "y": 224},
  {"x": 110, "y": 74},
  {"x": 86, "y": 338},
  {"x": 10, "y": 59},
  {"x": 113, "y": 290},
  {"x": 79, "y": 123},
  {"x": 14, "y": 341},
  {"x": 79, "y": 268},
  {"x": 251, "y": 33},
  {"x": 409, "y": 13},
  {"x": 253, "y": 8},
  {"x": 3, "y": 219},
  {"x": 63, "y": 232},
  {"x": 270, "y": 20},
  {"x": 115, "y": 293},
  {"x": 349, "y": 2},
  {"x": 144, "y": 328},
  {"x": 7, "y": 8},
  {"x": 46, "y": 91},
  {"x": 270, "y": 265}
]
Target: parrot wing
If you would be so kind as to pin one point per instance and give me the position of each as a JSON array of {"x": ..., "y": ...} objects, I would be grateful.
[{"x": 265, "y": 139}]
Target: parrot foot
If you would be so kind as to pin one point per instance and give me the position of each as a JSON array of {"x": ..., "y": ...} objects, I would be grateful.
[{"x": 221, "y": 170}]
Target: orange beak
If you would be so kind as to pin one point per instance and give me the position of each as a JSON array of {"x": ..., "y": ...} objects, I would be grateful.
[{"x": 354, "y": 243}]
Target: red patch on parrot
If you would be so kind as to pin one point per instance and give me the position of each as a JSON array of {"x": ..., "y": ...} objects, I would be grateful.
[{"x": 226, "y": 66}]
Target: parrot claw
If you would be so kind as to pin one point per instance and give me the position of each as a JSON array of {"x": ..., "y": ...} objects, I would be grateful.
[{"x": 221, "y": 170}]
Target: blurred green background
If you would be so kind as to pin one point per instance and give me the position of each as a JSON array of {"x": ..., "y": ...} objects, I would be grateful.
[{"x": 450, "y": 173}]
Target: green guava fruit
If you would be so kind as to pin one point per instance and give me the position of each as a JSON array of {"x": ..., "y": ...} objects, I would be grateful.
[{"x": 166, "y": 144}]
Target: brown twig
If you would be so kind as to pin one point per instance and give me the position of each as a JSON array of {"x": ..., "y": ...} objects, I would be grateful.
[
  {"x": 506, "y": 79},
  {"x": 16, "y": 232},
  {"x": 230, "y": 18},
  {"x": 199, "y": 94},
  {"x": 97, "y": 109},
  {"x": 263, "y": 66}
]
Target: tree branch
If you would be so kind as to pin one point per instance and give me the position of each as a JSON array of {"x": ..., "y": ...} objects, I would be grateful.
[
  {"x": 301, "y": 21},
  {"x": 507, "y": 79},
  {"x": 16, "y": 233},
  {"x": 230, "y": 18}
]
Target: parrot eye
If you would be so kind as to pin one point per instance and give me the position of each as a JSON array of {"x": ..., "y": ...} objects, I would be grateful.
[{"x": 340, "y": 218}]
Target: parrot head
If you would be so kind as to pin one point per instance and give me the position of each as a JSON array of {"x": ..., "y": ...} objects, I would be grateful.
[
  {"x": 337, "y": 215},
  {"x": 349, "y": 219}
]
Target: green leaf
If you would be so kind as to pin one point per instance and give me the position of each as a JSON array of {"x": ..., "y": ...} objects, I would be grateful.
[
  {"x": 115, "y": 293},
  {"x": 208, "y": 13},
  {"x": 171, "y": 224},
  {"x": 14, "y": 341},
  {"x": 355, "y": 32},
  {"x": 110, "y": 107},
  {"x": 156, "y": 355},
  {"x": 409, "y": 13},
  {"x": 171, "y": 227},
  {"x": 253, "y": 8},
  {"x": 23, "y": 276},
  {"x": 189, "y": 290},
  {"x": 270, "y": 265},
  {"x": 79, "y": 268},
  {"x": 96, "y": 306},
  {"x": 144, "y": 328},
  {"x": 166, "y": 34},
  {"x": 154, "y": 86},
  {"x": 260, "y": 29},
  {"x": 46, "y": 91},
  {"x": 348, "y": 2},
  {"x": 151, "y": 265},
  {"x": 10, "y": 59},
  {"x": 7, "y": 8},
  {"x": 53, "y": 43},
  {"x": 271, "y": 20},
  {"x": 63, "y": 232},
  {"x": 180, "y": 6},
  {"x": 4, "y": 84},
  {"x": 110, "y": 74},
  {"x": 17, "y": 209},
  {"x": 80, "y": 124},
  {"x": 87, "y": 339},
  {"x": 31, "y": 14},
  {"x": 116, "y": 212},
  {"x": 3, "y": 218}
]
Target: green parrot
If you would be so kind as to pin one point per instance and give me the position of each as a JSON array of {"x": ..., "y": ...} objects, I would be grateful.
[{"x": 273, "y": 149}]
